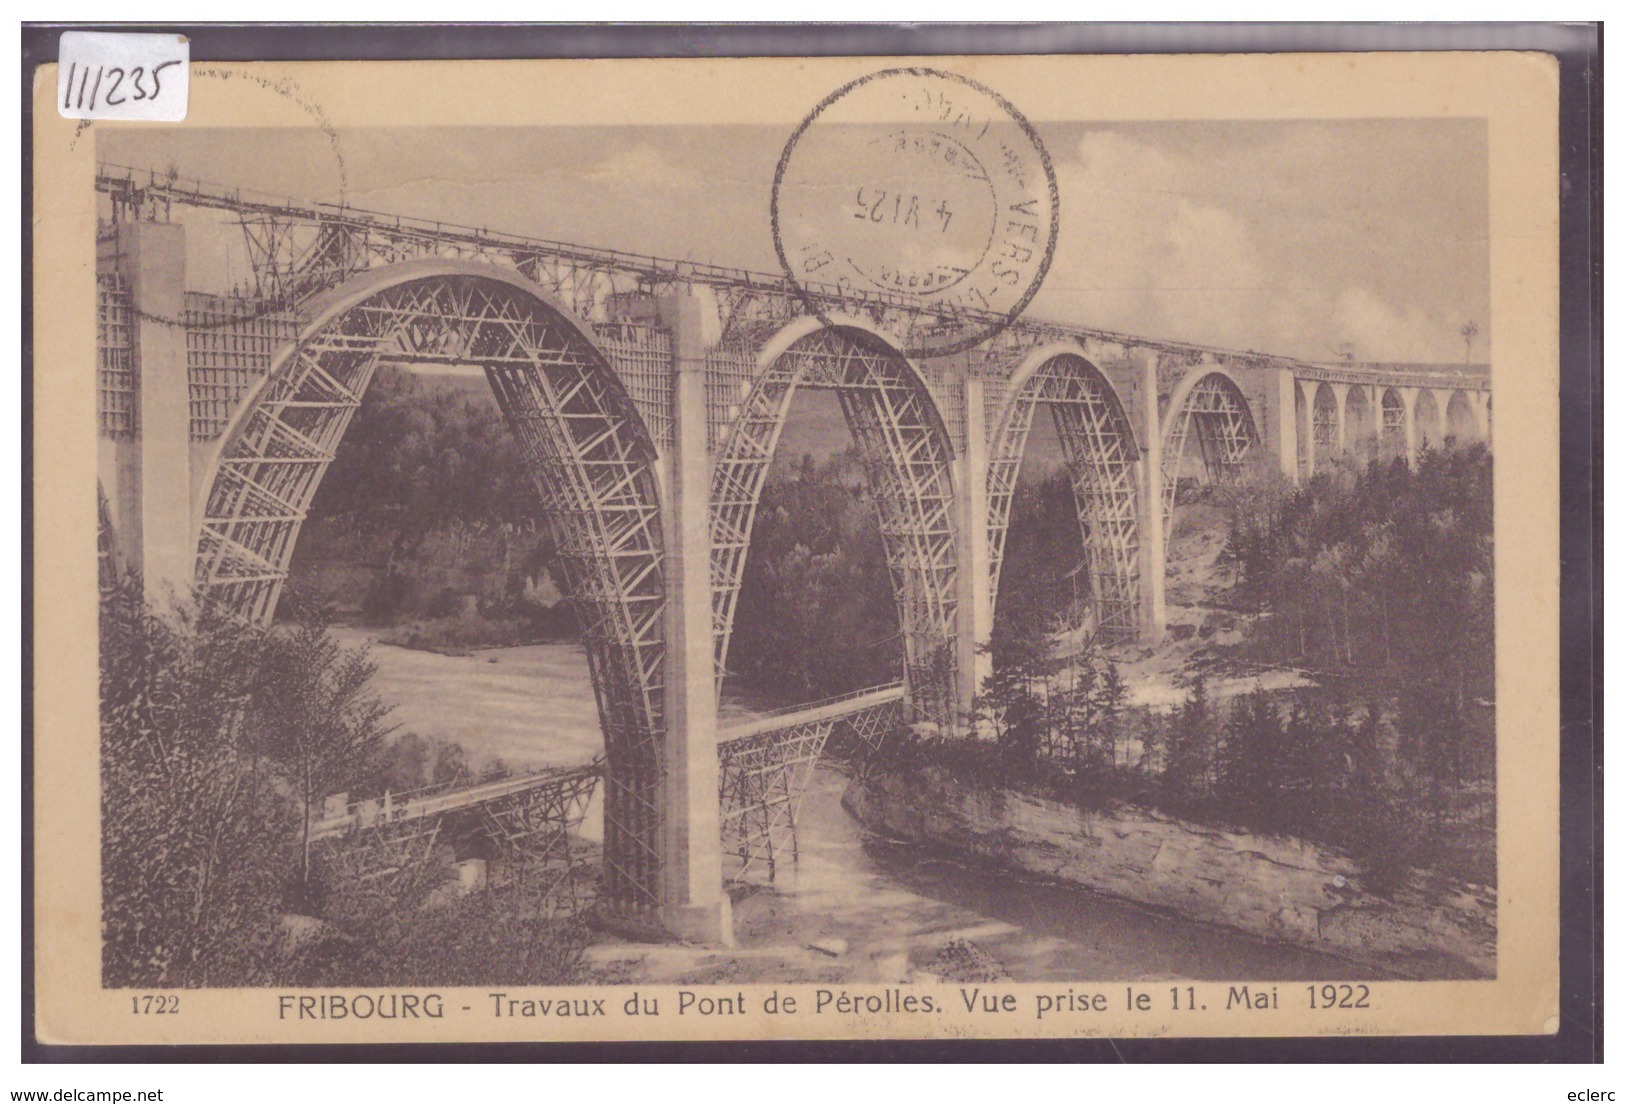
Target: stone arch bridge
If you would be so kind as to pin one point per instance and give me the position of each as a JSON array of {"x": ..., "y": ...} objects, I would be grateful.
[{"x": 648, "y": 397}]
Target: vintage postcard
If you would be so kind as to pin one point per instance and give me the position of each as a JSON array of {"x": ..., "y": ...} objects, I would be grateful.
[{"x": 841, "y": 548}]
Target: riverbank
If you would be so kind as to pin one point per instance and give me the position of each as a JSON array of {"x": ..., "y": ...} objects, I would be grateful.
[
  {"x": 1275, "y": 888},
  {"x": 859, "y": 908}
]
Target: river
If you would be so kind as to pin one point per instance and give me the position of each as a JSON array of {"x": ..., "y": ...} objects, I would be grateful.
[{"x": 887, "y": 906}]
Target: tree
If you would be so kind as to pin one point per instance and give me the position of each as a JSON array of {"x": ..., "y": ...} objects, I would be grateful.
[
  {"x": 450, "y": 765},
  {"x": 1368, "y": 760},
  {"x": 1016, "y": 716},
  {"x": 1068, "y": 719},
  {"x": 1113, "y": 704},
  {"x": 1469, "y": 332},
  {"x": 1087, "y": 699},
  {"x": 1187, "y": 774},
  {"x": 319, "y": 721},
  {"x": 421, "y": 459},
  {"x": 816, "y": 613},
  {"x": 1251, "y": 768},
  {"x": 194, "y": 833},
  {"x": 1432, "y": 742},
  {"x": 402, "y": 766}
]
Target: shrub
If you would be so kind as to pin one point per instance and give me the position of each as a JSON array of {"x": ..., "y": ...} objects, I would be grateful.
[
  {"x": 197, "y": 841},
  {"x": 494, "y": 937}
]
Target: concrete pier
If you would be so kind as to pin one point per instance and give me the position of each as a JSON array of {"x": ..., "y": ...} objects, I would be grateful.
[
  {"x": 154, "y": 476},
  {"x": 695, "y": 908},
  {"x": 975, "y": 662}
]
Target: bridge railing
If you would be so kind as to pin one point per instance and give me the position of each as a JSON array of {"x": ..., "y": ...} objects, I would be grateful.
[
  {"x": 824, "y": 708},
  {"x": 439, "y": 798},
  {"x": 851, "y": 695},
  {"x": 1468, "y": 378},
  {"x": 122, "y": 181},
  {"x": 195, "y": 192},
  {"x": 394, "y": 805}
]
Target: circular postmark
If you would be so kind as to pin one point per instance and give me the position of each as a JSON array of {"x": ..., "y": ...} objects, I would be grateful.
[{"x": 920, "y": 188}]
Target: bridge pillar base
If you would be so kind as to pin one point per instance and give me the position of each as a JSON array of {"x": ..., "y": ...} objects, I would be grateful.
[{"x": 708, "y": 923}]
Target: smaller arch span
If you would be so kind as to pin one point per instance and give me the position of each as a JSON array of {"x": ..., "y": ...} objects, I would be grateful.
[
  {"x": 1461, "y": 420},
  {"x": 908, "y": 456},
  {"x": 1210, "y": 400},
  {"x": 1394, "y": 428},
  {"x": 1360, "y": 424},
  {"x": 1429, "y": 425},
  {"x": 1326, "y": 419},
  {"x": 1101, "y": 451}
]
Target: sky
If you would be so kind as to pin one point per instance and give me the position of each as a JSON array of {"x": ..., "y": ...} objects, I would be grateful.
[{"x": 1307, "y": 239}]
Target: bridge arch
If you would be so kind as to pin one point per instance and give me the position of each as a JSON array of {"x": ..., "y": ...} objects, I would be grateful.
[
  {"x": 1461, "y": 421},
  {"x": 908, "y": 456},
  {"x": 1210, "y": 400},
  {"x": 589, "y": 453},
  {"x": 1327, "y": 418},
  {"x": 1429, "y": 427},
  {"x": 1360, "y": 425},
  {"x": 1098, "y": 440},
  {"x": 1394, "y": 434}
]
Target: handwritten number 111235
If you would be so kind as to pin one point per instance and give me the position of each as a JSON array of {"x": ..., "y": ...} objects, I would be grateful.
[{"x": 117, "y": 92}]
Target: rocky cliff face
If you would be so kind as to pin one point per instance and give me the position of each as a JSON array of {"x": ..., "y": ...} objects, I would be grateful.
[{"x": 1275, "y": 887}]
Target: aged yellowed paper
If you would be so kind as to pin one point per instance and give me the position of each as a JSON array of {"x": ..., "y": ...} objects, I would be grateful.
[{"x": 567, "y": 550}]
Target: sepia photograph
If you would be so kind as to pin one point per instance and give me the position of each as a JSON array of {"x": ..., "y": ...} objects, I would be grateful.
[{"x": 923, "y": 553}]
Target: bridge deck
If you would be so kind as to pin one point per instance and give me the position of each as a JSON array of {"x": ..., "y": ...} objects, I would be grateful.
[
  {"x": 830, "y": 709},
  {"x": 402, "y": 807},
  {"x": 121, "y": 183},
  {"x": 367, "y": 814}
]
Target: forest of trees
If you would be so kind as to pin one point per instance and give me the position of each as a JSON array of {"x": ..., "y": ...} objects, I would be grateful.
[
  {"x": 218, "y": 741},
  {"x": 1386, "y": 784},
  {"x": 816, "y": 616},
  {"x": 1385, "y": 575},
  {"x": 430, "y": 496},
  {"x": 1380, "y": 582}
]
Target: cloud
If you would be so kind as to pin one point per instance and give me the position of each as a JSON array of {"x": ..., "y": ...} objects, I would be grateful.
[
  {"x": 1377, "y": 330},
  {"x": 1158, "y": 243},
  {"x": 643, "y": 167},
  {"x": 1140, "y": 252}
]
